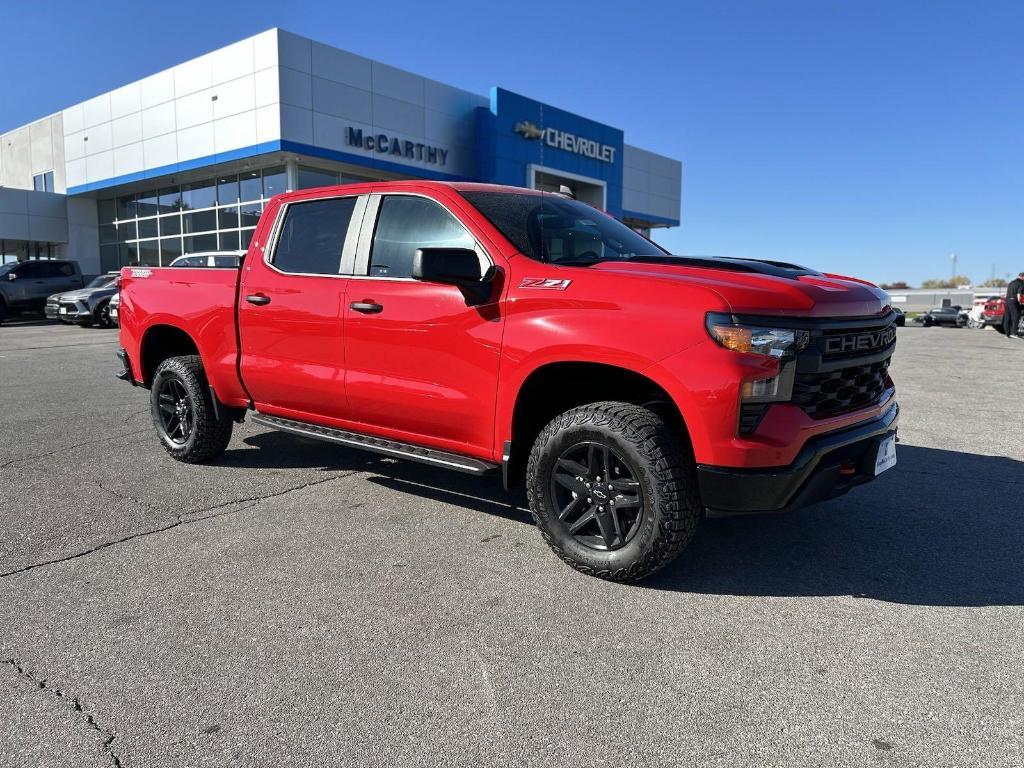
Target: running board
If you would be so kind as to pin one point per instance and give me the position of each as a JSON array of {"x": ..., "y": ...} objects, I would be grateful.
[{"x": 377, "y": 444}]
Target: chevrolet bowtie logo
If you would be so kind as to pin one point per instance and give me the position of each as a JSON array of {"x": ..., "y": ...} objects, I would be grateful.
[{"x": 528, "y": 130}]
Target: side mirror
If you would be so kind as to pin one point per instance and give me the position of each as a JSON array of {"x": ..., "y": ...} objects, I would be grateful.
[{"x": 453, "y": 266}]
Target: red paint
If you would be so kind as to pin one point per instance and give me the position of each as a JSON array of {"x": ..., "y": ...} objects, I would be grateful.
[{"x": 431, "y": 370}]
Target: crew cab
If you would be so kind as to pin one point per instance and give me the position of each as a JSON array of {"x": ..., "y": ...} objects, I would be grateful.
[{"x": 495, "y": 329}]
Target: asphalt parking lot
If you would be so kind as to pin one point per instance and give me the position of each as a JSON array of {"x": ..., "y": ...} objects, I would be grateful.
[{"x": 305, "y": 604}]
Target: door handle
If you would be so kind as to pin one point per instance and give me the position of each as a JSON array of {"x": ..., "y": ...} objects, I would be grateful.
[
  {"x": 366, "y": 307},
  {"x": 258, "y": 299}
]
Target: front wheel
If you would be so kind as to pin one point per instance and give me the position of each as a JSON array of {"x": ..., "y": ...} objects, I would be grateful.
[
  {"x": 102, "y": 315},
  {"x": 612, "y": 490},
  {"x": 183, "y": 412}
]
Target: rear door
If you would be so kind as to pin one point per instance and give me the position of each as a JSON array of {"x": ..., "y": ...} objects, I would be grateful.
[
  {"x": 290, "y": 309},
  {"x": 421, "y": 358}
]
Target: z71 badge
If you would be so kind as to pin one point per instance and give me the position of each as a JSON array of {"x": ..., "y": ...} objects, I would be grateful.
[{"x": 545, "y": 282}]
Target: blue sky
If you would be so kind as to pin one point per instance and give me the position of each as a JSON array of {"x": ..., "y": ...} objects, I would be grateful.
[{"x": 871, "y": 138}]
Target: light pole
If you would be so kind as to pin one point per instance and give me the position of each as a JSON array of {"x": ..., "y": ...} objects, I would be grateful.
[{"x": 952, "y": 277}]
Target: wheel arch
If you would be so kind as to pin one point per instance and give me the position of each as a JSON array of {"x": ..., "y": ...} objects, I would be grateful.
[
  {"x": 555, "y": 387},
  {"x": 160, "y": 342}
]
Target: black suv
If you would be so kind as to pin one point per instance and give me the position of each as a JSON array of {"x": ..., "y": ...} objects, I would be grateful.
[{"x": 25, "y": 285}]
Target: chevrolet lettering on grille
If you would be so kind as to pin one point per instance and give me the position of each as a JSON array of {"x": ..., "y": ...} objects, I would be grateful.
[{"x": 860, "y": 342}]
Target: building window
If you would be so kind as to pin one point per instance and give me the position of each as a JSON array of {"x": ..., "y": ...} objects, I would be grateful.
[
  {"x": 220, "y": 212},
  {"x": 43, "y": 182}
]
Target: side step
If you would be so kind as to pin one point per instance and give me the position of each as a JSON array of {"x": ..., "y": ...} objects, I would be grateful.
[{"x": 377, "y": 444}]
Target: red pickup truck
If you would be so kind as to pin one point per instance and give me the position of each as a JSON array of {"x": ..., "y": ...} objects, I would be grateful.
[{"x": 483, "y": 328}]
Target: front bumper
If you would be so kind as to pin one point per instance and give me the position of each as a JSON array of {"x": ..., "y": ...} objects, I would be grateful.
[{"x": 827, "y": 466}]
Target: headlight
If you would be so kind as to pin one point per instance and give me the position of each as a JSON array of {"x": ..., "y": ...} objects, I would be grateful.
[
  {"x": 781, "y": 344},
  {"x": 756, "y": 339}
]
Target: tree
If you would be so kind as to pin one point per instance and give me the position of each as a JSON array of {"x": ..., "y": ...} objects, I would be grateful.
[
  {"x": 994, "y": 282},
  {"x": 899, "y": 285},
  {"x": 949, "y": 282}
]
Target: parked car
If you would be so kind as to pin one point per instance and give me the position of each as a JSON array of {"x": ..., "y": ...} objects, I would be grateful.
[
  {"x": 86, "y": 306},
  {"x": 483, "y": 328},
  {"x": 25, "y": 285},
  {"x": 993, "y": 314},
  {"x": 115, "y": 307},
  {"x": 224, "y": 259},
  {"x": 950, "y": 316},
  {"x": 901, "y": 318}
]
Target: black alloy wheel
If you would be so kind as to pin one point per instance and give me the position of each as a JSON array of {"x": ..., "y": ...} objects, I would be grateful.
[
  {"x": 597, "y": 496},
  {"x": 103, "y": 315},
  {"x": 176, "y": 419}
]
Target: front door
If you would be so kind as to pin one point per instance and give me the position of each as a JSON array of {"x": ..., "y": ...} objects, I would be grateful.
[
  {"x": 290, "y": 310},
  {"x": 421, "y": 359}
]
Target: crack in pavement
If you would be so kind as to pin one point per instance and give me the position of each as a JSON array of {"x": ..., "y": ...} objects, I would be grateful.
[
  {"x": 68, "y": 449},
  {"x": 183, "y": 519},
  {"x": 74, "y": 703}
]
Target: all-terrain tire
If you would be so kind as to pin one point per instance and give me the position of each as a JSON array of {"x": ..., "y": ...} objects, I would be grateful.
[
  {"x": 207, "y": 436},
  {"x": 663, "y": 467}
]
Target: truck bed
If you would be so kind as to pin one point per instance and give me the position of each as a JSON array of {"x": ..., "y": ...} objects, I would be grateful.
[{"x": 199, "y": 300}]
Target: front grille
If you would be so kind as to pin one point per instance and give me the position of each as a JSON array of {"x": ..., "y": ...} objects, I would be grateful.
[{"x": 845, "y": 389}]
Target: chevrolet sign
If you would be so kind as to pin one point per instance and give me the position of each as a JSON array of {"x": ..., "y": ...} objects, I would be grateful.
[{"x": 567, "y": 141}]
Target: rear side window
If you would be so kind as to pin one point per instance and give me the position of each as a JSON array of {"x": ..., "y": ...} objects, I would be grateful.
[
  {"x": 312, "y": 236},
  {"x": 406, "y": 223}
]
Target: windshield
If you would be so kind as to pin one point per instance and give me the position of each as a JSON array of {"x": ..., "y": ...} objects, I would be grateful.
[
  {"x": 5, "y": 268},
  {"x": 563, "y": 231},
  {"x": 101, "y": 281}
]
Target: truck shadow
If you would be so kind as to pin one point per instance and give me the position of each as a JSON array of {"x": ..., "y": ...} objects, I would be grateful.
[{"x": 943, "y": 528}]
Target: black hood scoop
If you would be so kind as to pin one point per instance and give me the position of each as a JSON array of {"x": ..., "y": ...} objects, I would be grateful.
[{"x": 753, "y": 266}]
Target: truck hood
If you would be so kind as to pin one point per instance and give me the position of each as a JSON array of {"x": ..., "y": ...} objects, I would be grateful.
[{"x": 755, "y": 287}]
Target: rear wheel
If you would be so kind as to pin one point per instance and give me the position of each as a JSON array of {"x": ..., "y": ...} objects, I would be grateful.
[
  {"x": 612, "y": 490},
  {"x": 183, "y": 412}
]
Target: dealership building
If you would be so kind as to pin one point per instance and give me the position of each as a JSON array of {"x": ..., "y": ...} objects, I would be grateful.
[{"x": 184, "y": 160}]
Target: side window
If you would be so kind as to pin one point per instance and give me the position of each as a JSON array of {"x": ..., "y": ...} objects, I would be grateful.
[
  {"x": 312, "y": 236},
  {"x": 406, "y": 223},
  {"x": 33, "y": 270},
  {"x": 66, "y": 270}
]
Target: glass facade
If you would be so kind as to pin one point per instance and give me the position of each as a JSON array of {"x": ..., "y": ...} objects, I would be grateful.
[{"x": 154, "y": 227}]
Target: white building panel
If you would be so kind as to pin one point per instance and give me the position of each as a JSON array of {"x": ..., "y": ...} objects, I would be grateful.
[
  {"x": 97, "y": 110},
  {"x": 234, "y": 97},
  {"x": 99, "y": 166},
  {"x": 341, "y": 100},
  {"x": 268, "y": 123},
  {"x": 192, "y": 76},
  {"x": 264, "y": 49},
  {"x": 235, "y": 132},
  {"x": 75, "y": 172},
  {"x": 194, "y": 109},
  {"x": 196, "y": 142},
  {"x": 126, "y": 130},
  {"x": 125, "y": 101},
  {"x": 129, "y": 159},
  {"x": 74, "y": 119},
  {"x": 232, "y": 62},
  {"x": 267, "y": 86},
  {"x": 158, "y": 120},
  {"x": 296, "y": 88},
  {"x": 341, "y": 66},
  {"x": 98, "y": 139},
  {"x": 294, "y": 52},
  {"x": 156, "y": 89},
  {"x": 398, "y": 84},
  {"x": 160, "y": 151},
  {"x": 395, "y": 115},
  {"x": 296, "y": 124}
]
